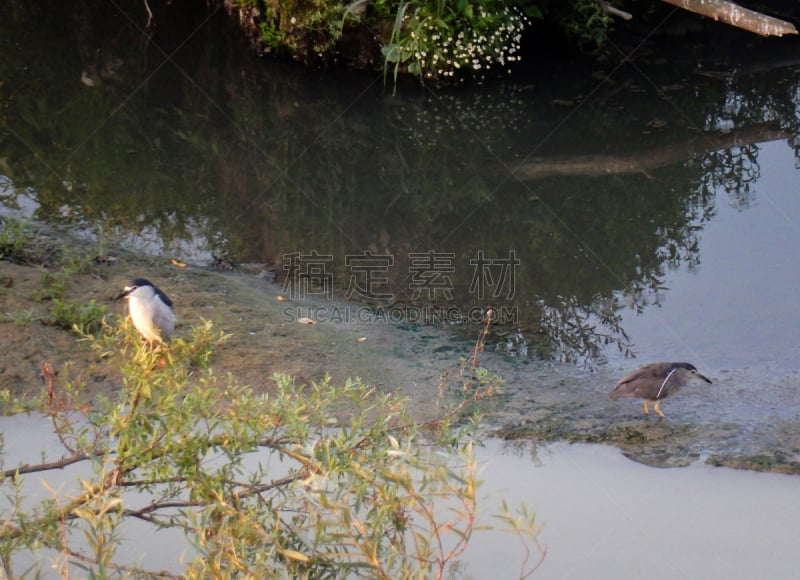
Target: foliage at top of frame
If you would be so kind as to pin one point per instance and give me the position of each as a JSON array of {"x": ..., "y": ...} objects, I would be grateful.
[{"x": 443, "y": 40}]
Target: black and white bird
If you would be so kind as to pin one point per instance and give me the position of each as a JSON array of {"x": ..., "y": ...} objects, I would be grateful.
[{"x": 150, "y": 310}]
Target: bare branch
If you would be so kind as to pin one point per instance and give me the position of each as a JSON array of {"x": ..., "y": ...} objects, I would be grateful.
[
  {"x": 149, "y": 14},
  {"x": 614, "y": 11},
  {"x": 150, "y": 573},
  {"x": 733, "y": 14},
  {"x": 59, "y": 464}
]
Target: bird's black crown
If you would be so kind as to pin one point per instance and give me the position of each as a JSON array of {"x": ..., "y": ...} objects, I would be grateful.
[{"x": 139, "y": 282}]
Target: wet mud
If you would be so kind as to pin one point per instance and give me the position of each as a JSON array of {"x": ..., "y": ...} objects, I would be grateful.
[{"x": 729, "y": 425}]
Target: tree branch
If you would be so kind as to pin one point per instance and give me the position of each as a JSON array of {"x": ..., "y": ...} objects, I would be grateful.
[
  {"x": 614, "y": 11},
  {"x": 59, "y": 464},
  {"x": 733, "y": 14},
  {"x": 120, "y": 568}
]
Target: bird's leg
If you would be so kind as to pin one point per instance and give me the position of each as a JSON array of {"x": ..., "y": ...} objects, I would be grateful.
[
  {"x": 657, "y": 410},
  {"x": 646, "y": 408}
]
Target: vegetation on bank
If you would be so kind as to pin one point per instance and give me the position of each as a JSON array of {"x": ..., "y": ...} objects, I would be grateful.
[
  {"x": 449, "y": 39},
  {"x": 21, "y": 244},
  {"x": 432, "y": 39},
  {"x": 316, "y": 480}
]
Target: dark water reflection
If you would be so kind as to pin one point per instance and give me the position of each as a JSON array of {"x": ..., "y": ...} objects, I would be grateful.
[{"x": 598, "y": 179}]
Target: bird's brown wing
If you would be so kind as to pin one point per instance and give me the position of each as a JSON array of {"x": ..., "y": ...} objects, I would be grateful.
[
  {"x": 633, "y": 375},
  {"x": 626, "y": 388}
]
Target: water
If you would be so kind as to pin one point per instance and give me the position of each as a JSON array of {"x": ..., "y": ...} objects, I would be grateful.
[
  {"x": 598, "y": 514},
  {"x": 735, "y": 305},
  {"x": 602, "y": 516},
  {"x": 612, "y": 213}
]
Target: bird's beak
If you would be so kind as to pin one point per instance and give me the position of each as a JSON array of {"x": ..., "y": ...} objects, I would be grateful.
[
  {"x": 129, "y": 289},
  {"x": 706, "y": 379}
]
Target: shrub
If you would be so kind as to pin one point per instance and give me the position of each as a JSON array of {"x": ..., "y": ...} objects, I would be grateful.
[
  {"x": 312, "y": 481},
  {"x": 454, "y": 40}
]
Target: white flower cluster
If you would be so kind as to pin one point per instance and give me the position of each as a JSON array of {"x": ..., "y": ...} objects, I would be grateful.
[{"x": 495, "y": 42}]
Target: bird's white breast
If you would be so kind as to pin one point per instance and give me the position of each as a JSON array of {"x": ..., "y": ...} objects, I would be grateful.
[{"x": 150, "y": 315}]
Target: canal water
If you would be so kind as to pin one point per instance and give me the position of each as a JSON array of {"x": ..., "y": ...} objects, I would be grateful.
[
  {"x": 643, "y": 206},
  {"x": 599, "y": 515}
]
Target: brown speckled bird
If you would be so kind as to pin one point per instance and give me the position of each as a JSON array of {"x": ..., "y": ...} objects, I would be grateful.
[{"x": 654, "y": 382}]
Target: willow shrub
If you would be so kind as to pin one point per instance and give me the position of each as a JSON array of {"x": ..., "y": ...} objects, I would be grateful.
[{"x": 303, "y": 481}]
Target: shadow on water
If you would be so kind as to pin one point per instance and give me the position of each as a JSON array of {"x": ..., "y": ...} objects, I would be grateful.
[{"x": 574, "y": 204}]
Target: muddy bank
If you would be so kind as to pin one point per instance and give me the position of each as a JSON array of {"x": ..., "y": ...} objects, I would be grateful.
[
  {"x": 657, "y": 442},
  {"x": 737, "y": 423},
  {"x": 264, "y": 335}
]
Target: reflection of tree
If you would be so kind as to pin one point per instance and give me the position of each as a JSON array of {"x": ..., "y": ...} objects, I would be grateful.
[
  {"x": 647, "y": 160},
  {"x": 733, "y": 171},
  {"x": 763, "y": 92},
  {"x": 82, "y": 131},
  {"x": 579, "y": 332}
]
